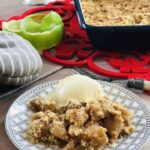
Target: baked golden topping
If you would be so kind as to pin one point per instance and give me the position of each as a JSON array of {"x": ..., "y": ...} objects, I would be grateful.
[
  {"x": 78, "y": 126},
  {"x": 116, "y": 12}
]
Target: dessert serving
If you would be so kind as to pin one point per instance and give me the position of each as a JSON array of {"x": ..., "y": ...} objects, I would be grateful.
[
  {"x": 72, "y": 118},
  {"x": 116, "y": 12}
]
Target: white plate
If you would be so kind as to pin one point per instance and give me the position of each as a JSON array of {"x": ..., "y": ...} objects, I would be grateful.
[{"x": 18, "y": 117}]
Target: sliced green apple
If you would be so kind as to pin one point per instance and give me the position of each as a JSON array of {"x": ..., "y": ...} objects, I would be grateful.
[
  {"x": 13, "y": 26},
  {"x": 44, "y": 31}
]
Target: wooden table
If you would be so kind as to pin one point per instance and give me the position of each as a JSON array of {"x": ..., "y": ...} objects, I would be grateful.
[{"x": 15, "y": 7}]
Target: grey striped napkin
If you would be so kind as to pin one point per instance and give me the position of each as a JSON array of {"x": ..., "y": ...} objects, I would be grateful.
[{"x": 19, "y": 61}]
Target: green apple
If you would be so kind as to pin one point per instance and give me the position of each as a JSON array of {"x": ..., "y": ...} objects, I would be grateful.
[{"x": 43, "y": 31}]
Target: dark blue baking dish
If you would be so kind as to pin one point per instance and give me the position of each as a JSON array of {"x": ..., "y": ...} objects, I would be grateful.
[{"x": 115, "y": 37}]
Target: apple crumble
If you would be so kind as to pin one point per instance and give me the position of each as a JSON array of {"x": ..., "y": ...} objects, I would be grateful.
[
  {"x": 116, "y": 12},
  {"x": 78, "y": 125}
]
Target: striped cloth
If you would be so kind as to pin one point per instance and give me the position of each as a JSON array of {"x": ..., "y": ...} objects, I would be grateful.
[{"x": 19, "y": 61}]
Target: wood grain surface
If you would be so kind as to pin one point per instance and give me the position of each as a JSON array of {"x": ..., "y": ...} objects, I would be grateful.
[{"x": 14, "y": 7}]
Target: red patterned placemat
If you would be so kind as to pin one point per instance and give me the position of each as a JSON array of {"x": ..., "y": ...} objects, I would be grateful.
[{"x": 130, "y": 64}]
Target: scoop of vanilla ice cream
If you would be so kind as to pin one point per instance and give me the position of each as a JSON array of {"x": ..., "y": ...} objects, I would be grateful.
[{"x": 79, "y": 87}]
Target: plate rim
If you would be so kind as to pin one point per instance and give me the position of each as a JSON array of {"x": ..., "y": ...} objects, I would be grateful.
[{"x": 139, "y": 100}]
